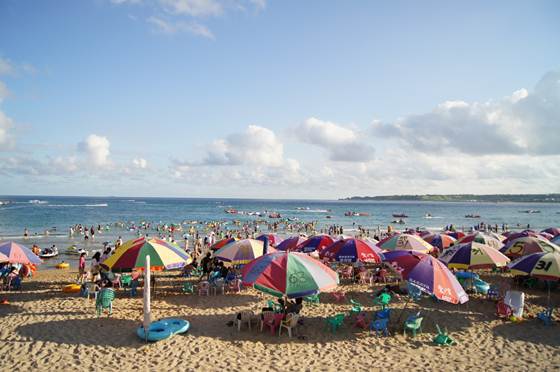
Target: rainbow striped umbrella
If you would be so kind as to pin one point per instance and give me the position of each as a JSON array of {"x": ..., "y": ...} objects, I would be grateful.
[
  {"x": 527, "y": 245},
  {"x": 19, "y": 254},
  {"x": 554, "y": 231},
  {"x": 290, "y": 244},
  {"x": 428, "y": 274},
  {"x": 273, "y": 239},
  {"x": 351, "y": 250},
  {"x": 440, "y": 241},
  {"x": 290, "y": 274},
  {"x": 544, "y": 265},
  {"x": 132, "y": 255},
  {"x": 406, "y": 242},
  {"x": 481, "y": 238},
  {"x": 221, "y": 243},
  {"x": 315, "y": 243},
  {"x": 242, "y": 251},
  {"x": 473, "y": 256}
]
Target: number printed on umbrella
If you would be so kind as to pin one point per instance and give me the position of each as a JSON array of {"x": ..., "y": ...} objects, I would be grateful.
[{"x": 543, "y": 265}]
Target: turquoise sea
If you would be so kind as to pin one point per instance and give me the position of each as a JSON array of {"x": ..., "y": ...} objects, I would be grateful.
[{"x": 57, "y": 214}]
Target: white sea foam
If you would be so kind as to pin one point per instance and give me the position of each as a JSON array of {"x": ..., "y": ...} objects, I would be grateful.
[{"x": 79, "y": 205}]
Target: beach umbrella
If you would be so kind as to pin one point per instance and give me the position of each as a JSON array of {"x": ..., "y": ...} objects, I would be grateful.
[
  {"x": 544, "y": 265},
  {"x": 371, "y": 241},
  {"x": 545, "y": 235},
  {"x": 351, "y": 250},
  {"x": 556, "y": 240},
  {"x": 289, "y": 274},
  {"x": 428, "y": 274},
  {"x": 554, "y": 231},
  {"x": 19, "y": 254},
  {"x": 290, "y": 244},
  {"x": 406, "y": 242},
  {"x": 481, "y": 238},
  {"x": 4, "y": 258},
  {"x": 440, "y": 241},
  {"x": 455, "y": 234},
  {"x": 273, "y": 239},
  {"x": 315, "y": 243},
  {"x": 520, "y": 234},
  {"x": 527, "y": 245},
  {"x": 132, "y": 255},
  {"x": 242, "y": 251},
  {"x": 473, "y": 255},
  {"x": 221, "y": 243}
]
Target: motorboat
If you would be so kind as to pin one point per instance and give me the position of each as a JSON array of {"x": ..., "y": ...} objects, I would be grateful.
[
  {"x": 400, "y": 215},
  {"x": 74, "y": 250},
  {"x": 472, "y": 216},
  {"x": 49, "y": 252}
]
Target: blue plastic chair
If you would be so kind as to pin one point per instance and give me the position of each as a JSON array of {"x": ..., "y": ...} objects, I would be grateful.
[
  {"x": 414, "y": 292},
  {"x": 383, "y": 314},
  {"x": 546, "y": 316},
  {"x": 380, "y": 326}
]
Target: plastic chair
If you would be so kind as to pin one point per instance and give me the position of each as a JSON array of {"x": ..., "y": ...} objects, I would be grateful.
[
  {"x": 383, "y": 314},
  {"x": 493, "y": 293},
  {"x": 234, "y": 286},
  {"x": 413, "y": 323},
  {"x": 503, "y": 310},
  {"x": 290, "y": 323},
  {"x": 267, "y": 317},
  {"x": 383, "y": 300},
  {"x": 204, "y": 288},
  {"x": 442, "y": 338},
  {"x": 313, "y": 299},
  {"x": 218, "y": 285},
  {"x": 379, "y": 326},
  {"x": 339, "y": 296},
  {"x": 247, "y": 317},
  {"x": 414, "y": 292},
  {"x": 356, "y": 307},
  {"x": 188, "y": 287},
  {"x": 361, "y": 321},
  {"x": 117, "y": 281},
  {"x": 126, "y": 280},
  {"x": 274, "y": 323},
  {"x": 275, "y": 306},
  {"x": 546, "y": 316},
  {"x": 364, "y": 277},
  {"x": 347, "y": 273},
  {"x": 14, "y": 283},
  {"x": 335, "y": 322},
  {"x": 91, "y": 288},
  {"x": 104, "y": 301}
]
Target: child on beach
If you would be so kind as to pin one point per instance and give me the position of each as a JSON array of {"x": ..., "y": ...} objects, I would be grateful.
[{"x": 82, "y": 267}]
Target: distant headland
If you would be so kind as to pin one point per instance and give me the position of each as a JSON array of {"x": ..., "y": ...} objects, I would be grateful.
[{"x": 490, "y": 198}]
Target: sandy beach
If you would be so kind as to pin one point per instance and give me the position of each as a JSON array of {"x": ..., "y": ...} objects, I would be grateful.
[{"x": 45, "y": 329}]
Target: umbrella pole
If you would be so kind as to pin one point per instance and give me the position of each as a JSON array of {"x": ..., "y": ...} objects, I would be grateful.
[{"x": 147, "y": 304}]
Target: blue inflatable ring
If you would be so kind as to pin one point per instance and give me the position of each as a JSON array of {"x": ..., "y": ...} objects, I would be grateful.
[
  {"x": 177, "y": 325},
  {"x": 156, "y": 332}
]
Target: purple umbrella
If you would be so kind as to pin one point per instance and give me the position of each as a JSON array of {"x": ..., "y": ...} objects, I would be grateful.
[{"x": 290, "y": 244}]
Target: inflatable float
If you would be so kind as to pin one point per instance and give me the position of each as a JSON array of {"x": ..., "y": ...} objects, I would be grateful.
[
  {"x": 48, "y": 254},
  {"x": 62, "y": 265},
  {"x": 162, "y": 329},
  {"x": 71, "y": 288}
]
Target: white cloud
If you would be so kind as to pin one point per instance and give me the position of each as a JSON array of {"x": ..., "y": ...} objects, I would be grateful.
[
  {"x": 523, "y": 123},
  {"x": 6, "y": 67},
  {"x": 166, "y": 27},
  {"x": 140, "y": 163},
  {"x": 259, "y": 4},
  {"x": 195, "y": 8},
  {"x": 96, "y": 149},
  {"x": 257, "y": 145},
  {"x": 342, "y": 144},
  {"x": 5, "y": 125},
  {"x": 4, "y": 92}
]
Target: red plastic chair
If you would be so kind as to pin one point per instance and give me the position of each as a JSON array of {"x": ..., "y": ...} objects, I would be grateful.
[
  {"x": 274, "y": 323},
  {"x": 503, "y": 310},
  {"x": 339, "y": 296},
  {"x": 361, "y": 321}
]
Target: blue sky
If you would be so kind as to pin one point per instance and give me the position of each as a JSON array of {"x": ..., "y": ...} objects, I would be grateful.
[{"x": 278, "y": 98}]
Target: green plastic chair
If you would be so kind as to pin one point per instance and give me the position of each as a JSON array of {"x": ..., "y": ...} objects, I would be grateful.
[
  {"x": 126, "y": 280},
  {"x": 413, "y": 324},
  {"x": 188, "y": 288},
  {"x": 275, "y": 306},
  {"x": 383, "y": 300},
  {"x": 442, "y": 338},
  {"x": 313, "y": 299},
  {"x": 335, "y": 322},
  {"x": 104, "y": 301},
  {"x": 356, "y": 307}
]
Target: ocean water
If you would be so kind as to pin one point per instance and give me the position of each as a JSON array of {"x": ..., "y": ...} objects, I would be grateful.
[{"x": 57, "y": 214}]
